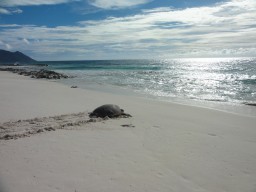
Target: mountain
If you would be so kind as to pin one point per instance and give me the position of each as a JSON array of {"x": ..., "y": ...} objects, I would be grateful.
[{"x": 7, "y": 57}]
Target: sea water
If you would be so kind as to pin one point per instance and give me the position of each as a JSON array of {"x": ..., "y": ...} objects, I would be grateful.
[{"x": 222, "y": 83}]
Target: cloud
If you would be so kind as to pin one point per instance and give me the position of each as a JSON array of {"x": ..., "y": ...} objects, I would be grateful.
[
  {"x": 26, "y": 41},
  {"x": 1, "y": 42},
  {"x": 6, "y": 6},
  {"x": 4, "y": 11},
  {"x": 158, "y": 9},
  {"x": 14, "y": 3},
  {"x": 8, "y": 47},
  {"x": 116, "y": 4},
  {"x": 14, "y": 26},
  {"x": 4, "y": 45},
  {"x": 226, "y": 29},
  {"x": 10, "y": 11},
  {"x": 17, "y": 11}
]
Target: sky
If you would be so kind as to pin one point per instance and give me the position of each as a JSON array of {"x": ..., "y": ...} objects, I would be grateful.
[{"x": 128, "y": 29}]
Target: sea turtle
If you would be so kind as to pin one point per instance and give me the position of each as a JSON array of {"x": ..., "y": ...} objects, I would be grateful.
[{"x": 109, "y": 110}]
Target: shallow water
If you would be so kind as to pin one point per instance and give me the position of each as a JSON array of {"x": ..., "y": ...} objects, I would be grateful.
[{"x": 208, "y": 81}]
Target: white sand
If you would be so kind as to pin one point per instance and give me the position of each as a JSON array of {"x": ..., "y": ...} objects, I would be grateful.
[{"x": 171, "y": 148}]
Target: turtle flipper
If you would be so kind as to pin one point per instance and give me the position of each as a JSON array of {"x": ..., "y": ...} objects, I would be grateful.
[{"x": 126, "y": 115}]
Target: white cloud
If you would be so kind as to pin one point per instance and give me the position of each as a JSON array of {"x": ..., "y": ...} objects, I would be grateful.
[
  {"x": 17, "y": 11},
  {"x": 26, "y": 41},
  {"x": 226, "y": 29},
  {"x": 4, "y": 11},
  {"x": 4, "y": 45},
  {"x": 10, "y": 11},
  {"x": 6, "y": 6},
  {"x": 116, "y": 4},
  {"x": 8, "y": 47},
  {"x": 158, "y": 9},
  {"x": 13, "y": 3}
]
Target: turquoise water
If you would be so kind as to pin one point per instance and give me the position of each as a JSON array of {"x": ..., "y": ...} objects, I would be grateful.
[{"x": 219, "y": 80}]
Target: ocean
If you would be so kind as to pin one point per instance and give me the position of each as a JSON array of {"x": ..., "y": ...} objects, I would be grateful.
[{"x": 220, "y": 83}]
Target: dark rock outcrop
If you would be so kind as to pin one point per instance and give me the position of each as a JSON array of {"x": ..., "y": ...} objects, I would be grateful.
[
  {"x": 39, "y": 74},
  {"x": 250, "y": 104}
]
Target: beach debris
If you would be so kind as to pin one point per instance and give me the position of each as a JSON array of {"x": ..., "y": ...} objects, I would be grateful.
[{"x": 109, "y": 110}]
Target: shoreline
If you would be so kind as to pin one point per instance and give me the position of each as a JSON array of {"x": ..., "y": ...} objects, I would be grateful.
[
  {"x": 240, "y": 108},
  {"x": 162, "y": 147},
  {"x": 244, "y": 109}
]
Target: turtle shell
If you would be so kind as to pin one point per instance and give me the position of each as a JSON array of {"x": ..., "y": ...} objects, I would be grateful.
[{"x": 109, "y": 110}]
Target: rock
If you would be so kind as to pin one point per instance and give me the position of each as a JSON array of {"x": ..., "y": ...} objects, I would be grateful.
[
  {"x": 7, "y": 136},
  {"x": 49, "y": 129},
  {"x": 1, "y": 127},
  {"x": 92, "y": 120},
  {"x": 40, "y": 130},
  {"x": 127, "y": 125},
  {"x": 250, "y": 104},
  {"x": 41, "y": 74}
]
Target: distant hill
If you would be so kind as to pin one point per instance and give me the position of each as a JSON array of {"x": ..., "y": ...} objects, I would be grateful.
[{"x": 7, "y": 57}]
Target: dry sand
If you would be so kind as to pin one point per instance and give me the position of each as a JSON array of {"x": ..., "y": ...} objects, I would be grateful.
[{"x": 164, "y": 147}]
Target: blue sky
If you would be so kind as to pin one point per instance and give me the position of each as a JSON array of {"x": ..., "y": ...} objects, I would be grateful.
[{"x": 128, "y": 29}]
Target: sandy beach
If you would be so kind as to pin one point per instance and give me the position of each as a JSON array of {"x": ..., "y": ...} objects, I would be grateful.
[{"x": 163, "y": 147}]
